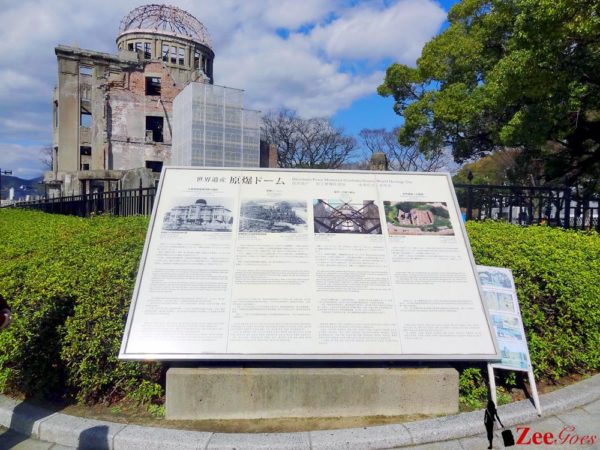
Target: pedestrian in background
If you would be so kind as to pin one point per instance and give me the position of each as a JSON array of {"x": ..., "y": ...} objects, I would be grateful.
[{"x": 4, "y": 313}]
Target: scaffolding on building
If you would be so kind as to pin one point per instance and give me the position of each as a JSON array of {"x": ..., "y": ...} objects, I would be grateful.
[{"x": 212, "y": 129}]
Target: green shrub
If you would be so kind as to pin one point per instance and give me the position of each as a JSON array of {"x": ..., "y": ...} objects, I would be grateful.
[
  {"x": 557, "y": 278},
  {"x": 69, "y": 282}
]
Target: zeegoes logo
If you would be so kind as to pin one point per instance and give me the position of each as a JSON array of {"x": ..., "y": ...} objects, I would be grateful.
[{"x": 567, "y": 436}]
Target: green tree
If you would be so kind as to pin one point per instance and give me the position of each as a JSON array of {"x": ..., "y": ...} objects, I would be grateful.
[
  {"x": 516, "y": 73},
  {"x": 501, "y": 167}
]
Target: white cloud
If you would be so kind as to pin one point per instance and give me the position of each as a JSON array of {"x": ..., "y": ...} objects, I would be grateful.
[
  {"x": 303, "y": 72},
  {"x": 24, "y": 161},
  {"x": 287, "y": 73},
  {"x": 293, "y": 13},
  {"x": 399, "y": 31}
]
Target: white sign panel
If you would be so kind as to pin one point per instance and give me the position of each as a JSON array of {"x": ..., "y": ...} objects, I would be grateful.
[
  {"x": 501, "y": 300},
  {"x": 298, "y": 264}
]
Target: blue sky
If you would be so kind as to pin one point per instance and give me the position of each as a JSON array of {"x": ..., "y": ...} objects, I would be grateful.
[{"x": 318, "y": 57}]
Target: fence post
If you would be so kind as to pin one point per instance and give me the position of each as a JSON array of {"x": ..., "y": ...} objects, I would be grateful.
[
  {"x": 470, "y": 196},
  {"x": 567, "y": 221},
  {"x": 140, "y": 193},
  {"x": 117, "y": 195}
]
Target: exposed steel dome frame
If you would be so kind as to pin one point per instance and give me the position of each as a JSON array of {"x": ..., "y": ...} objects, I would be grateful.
[{"x": 165, "y": 19}]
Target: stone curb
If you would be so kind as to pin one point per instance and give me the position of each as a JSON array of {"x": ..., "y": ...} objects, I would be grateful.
[{"x": 83, "y": 433}]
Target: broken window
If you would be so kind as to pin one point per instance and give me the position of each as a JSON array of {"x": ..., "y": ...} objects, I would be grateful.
[
  {"x": 152, "y": 86},
  {"x": 154, "y": 128},
  {"x": 154, "y": 166},
  {"x": 83, "y": 70},
  {"x": 181, "y": 54},
  {"x": 130, "y": 46},
  {"x": 85, "y": 167},
  {"x": 85, "y": 150},
  {"x": 85, "y": 119},
  {"x": 147, "y": 50},
  {"x": 138, "y": 46},
  {"x": 196, "y": 59},
  {"x": 173, "y": 55},
  {"x": 55, "y": 113},
  {"x": 165, "y": 53}
]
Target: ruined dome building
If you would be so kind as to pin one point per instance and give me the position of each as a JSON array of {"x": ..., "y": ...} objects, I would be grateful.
[{"x": 112, "y": 113}]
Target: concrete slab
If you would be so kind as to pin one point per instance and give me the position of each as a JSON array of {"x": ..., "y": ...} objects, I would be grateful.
[
  {"x": 253, "y": 393},
  {"x": 480, "y": 442},
  {"x": 571, "y": 396},
  {"x": 22, "y": 417},
  {"x": 361, "y": 438},
  {"x": 579, "y": 422},
  {"x": 134, "y": 436},
  {"x": 592, "y": 408},
  {"x": 79, "y": 432},
  {"x": 7, "y": 406},
  {"x": 517, "y": 413},
  {"x": 259, "y": 441},
  {"x": 10, "y": 439},
  {"x": 445, "y": 428},
  {"x": 448, "y": 445}
]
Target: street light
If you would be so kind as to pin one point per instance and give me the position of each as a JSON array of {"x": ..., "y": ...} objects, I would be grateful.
[{"x": 3, "y": 172}]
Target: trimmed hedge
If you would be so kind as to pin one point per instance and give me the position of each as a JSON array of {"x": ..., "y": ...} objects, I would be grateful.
[
  {"x": 557, "y": 275},
  {"x": 70, "y": 280}
]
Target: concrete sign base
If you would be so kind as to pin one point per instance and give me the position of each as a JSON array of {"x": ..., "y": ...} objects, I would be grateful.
[{"x": 253, "y": 393}]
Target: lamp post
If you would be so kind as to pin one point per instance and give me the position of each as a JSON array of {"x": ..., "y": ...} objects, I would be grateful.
[{"x": 3, "y": 172}]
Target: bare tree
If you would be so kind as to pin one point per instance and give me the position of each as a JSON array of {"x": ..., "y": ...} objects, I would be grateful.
[
  {"x": 407, "y": 159},
  {"x": 46, "y": 156},
  {"x": 308, "y": 143}
]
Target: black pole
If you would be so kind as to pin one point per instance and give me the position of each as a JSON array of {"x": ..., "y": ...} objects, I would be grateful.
[
  {"x": 567, "y": 222},
  {"x": 470, "y": 196},
  {"x": 141, "y": 192},
  {"x": 5, "y": 172}
]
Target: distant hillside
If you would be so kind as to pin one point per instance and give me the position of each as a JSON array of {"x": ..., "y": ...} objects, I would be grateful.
[{"x": 32, "y": 185}]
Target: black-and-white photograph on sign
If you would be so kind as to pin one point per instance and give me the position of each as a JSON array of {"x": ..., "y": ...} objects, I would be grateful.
[
  {"x": 273, "y": 216},
  {"x": 203, "y": 214}
]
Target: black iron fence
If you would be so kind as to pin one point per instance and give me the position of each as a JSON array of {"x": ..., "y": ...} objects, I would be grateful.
[
  {"x": 523, "y": 205},
  {"x": 125, "y": 202},
  {"x": 527, "y": 205}
]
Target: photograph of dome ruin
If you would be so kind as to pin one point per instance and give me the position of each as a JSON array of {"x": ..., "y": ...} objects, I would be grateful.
[
  {"x": 273, "y": 216},
  {"x": 417, "y": 218},
  {"x": 339, "y": 216},
  {"x": 200, "y": 216}
]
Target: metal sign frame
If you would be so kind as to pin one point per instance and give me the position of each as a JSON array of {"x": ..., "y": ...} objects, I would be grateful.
[{"x": 125, "y": 354}]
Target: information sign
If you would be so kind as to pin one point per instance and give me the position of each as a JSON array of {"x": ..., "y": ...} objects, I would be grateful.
[
  {"x": 501, "y": 299},
  {"x": 300, "y": 264}
]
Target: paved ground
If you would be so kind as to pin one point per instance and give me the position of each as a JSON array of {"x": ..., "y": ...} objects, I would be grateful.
[
  {"x": 580, "y": 422},
  {"x": 10, "y": 439},
  {"x": 571, "y": 420}
]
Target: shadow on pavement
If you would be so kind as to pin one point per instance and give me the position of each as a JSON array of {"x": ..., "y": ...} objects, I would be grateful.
[
  {"x": 24, "y": 416},
  {"x": 10, "y": 439},
  {"x": 94, "y": 438}
]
